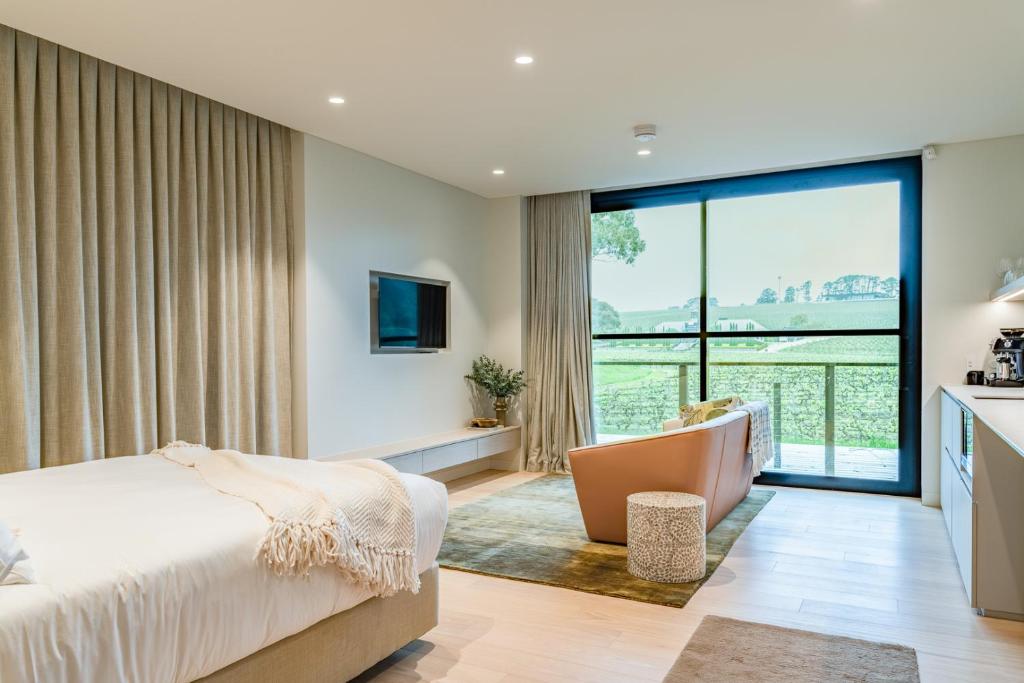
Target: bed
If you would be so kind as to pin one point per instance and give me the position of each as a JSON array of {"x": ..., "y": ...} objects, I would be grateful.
[{"x": 146, "y": 573}]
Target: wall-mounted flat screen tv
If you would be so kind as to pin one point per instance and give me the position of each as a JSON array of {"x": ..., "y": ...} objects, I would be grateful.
[{"x": 408, "y": 314}]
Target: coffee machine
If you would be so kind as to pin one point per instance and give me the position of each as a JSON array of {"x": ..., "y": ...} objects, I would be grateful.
[{"x": 1008, "y": 351}]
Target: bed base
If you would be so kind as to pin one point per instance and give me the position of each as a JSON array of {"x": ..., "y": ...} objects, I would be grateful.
[{"x": 344, "y": 645}]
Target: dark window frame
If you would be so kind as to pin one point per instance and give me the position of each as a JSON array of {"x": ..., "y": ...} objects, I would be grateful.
[{"x": 904, "y": 170}]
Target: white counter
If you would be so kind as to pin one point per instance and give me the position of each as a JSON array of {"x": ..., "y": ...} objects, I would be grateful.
[{"x": 1001, "y": 413}]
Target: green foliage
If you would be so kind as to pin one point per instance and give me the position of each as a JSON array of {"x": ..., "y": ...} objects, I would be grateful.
[
  {"x": 799, "y": 321},
  {"x": 604, "y": 317},
  {"x": 493, "y": 378},
  {"x": 614, "y": 236},
  {"x": 634, "y": 397},
  {"x": 768, "y": 296},
  {"x": 790, "y": 296},
  {"x": 849, "y": 287},
  {"x": 805, "y": 292}
]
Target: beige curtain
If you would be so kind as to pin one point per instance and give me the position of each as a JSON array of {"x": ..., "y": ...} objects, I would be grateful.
[
  {"x": 559, "y": 409},
  {"x": 145, "y": 238}
]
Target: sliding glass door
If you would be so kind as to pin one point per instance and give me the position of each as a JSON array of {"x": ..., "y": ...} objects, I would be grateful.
[{"x": 800, "y": 289}]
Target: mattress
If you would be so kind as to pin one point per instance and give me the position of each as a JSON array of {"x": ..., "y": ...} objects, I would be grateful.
[{"x": 146, "y": 573}]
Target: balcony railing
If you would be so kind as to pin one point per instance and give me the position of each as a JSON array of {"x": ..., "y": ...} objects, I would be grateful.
[{"x": 876, "y": 399}]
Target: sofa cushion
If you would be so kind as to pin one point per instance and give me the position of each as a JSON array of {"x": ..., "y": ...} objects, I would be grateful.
[{"x": 697, "y": 413}]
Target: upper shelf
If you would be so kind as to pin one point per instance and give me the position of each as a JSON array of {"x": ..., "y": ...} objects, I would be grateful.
[{"x": 1013, "y": 291}]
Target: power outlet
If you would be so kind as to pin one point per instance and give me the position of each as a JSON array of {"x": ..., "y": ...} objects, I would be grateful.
[{"x": 970, "y": 363}]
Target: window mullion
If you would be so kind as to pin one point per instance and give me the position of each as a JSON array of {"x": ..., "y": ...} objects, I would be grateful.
[{"x": 703, "y": 300}]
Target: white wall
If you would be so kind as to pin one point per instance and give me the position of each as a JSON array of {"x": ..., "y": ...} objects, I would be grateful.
[
  {"x": 973, "y": 213},
  {"x": 363, "y": 214},
  {"x": 505, "y": 255}
]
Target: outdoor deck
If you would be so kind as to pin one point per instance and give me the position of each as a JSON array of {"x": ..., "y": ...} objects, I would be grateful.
[{"x": 850, "y": 461}]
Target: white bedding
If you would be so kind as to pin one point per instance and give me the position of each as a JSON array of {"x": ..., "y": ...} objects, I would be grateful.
[{"x": 146, "y": 573}]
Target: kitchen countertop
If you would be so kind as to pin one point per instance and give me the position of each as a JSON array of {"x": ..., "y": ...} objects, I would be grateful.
[{"x": 1000, "y": 413}]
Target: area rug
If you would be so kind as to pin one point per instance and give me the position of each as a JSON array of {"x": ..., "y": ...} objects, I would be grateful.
[
  {"x": 725, "y": 650},
  {"x": 534, "y": 532}
]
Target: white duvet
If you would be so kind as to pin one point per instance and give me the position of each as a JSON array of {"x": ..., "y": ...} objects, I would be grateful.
[{"x": 146, "y": 573}]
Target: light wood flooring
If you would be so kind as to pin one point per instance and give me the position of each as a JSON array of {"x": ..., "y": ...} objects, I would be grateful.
[{"x": 873, "y": 567}]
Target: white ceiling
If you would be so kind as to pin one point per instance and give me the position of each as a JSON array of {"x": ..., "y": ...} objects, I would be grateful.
[{"x": 734, "y": 85}]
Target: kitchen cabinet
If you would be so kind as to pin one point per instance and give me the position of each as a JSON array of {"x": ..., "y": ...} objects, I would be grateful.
[
  {"x": 961, "y": 532},
  {"x": 982, "y": 494},
  {"x": 955, "y": 492},
  {"x": 947, "y": 472},
  {"x": 951, "y": 427}
]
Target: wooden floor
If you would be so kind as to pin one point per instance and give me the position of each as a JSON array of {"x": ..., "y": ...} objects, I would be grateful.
[{"x": 873, "y": 567}]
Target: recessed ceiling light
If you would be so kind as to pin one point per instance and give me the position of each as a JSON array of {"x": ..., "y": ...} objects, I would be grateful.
[
  {"x": 498, "y": 171},
  {"x": 643, "y": 152},
  {"x": 336, "y": 100},
  {"x": 524, "y": 59}
]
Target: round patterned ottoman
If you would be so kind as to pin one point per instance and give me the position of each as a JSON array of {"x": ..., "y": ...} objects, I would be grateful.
[{"x": 665, "y": 536}]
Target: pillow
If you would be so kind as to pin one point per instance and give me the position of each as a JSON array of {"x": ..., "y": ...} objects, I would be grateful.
[
  {"x": 14, "y": 564},
  {"x": 696, "y": 413}
]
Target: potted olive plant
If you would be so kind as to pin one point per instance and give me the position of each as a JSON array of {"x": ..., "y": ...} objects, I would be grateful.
[{"x": 500, "y": 384}]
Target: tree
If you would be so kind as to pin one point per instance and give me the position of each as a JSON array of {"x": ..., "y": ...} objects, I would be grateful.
[
  {"x": 693, "y": 303},
  {"x": 768, "y": 296},
  {"x": 605, "y": 318},
  {"x": 790, "y": 295},
  {"x": 799, "y": 321},
  {"x": 853, "y": 287},
  {"x": 806, "y": 289},
  {"x": 891, "y": 287},
  {"x": 614, "y": 236}
]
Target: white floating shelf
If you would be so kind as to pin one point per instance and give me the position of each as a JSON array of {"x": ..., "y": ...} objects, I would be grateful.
[{"x": 1014, "y": 291}]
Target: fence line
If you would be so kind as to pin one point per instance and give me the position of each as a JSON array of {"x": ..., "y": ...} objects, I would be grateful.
[{"x": 829, "y": 369}]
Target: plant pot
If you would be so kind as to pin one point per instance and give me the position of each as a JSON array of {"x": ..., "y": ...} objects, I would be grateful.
[{"x": 501, "y": 410}]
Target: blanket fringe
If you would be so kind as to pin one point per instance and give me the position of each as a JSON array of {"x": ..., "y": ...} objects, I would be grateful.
[
  {"x": 292, "y": 547},
  {"x": 176, "y": 444}
]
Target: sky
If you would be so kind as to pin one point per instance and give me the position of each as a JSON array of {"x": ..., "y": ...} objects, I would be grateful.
[{"x": 814, "y": 235}]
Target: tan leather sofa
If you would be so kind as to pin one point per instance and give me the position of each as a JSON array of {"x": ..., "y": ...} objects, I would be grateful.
[{"x": 708, "y": 459}]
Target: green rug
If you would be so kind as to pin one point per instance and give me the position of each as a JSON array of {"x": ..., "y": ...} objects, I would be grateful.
[{"x": 534, "y": 532}]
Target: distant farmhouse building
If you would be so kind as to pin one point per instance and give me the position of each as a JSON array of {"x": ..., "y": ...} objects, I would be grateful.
[{"x": 676, "y": 326}]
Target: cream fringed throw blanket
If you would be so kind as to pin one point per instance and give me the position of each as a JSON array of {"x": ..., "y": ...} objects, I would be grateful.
[
  {"x": 760, "y": 437},
  {"x": 355, "y": 514}
]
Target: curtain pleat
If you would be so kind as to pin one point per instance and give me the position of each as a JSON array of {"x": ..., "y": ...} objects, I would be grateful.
[
  {"x": 559, "y": 410},
  {"x": 145, "y": 264}
]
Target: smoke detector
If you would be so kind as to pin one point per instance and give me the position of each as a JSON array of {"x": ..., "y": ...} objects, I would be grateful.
[{"x": 645, "y": 132}]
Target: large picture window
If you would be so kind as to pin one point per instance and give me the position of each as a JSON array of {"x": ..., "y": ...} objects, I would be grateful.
[{"x": 798, "y": 288}]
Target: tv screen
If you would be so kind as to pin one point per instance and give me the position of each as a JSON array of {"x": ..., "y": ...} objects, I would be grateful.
[{"x": 408, "y": 313}]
